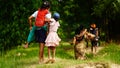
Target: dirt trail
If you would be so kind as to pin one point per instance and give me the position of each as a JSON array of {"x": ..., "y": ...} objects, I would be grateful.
[
  {"x": 97, "y": 64},
  {"x": 88, "y": 50}
]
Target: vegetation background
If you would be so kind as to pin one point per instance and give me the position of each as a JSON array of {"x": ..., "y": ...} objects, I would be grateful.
[
  {"x": 14, "y": 15},
  {"x": 14, "y": 25}
]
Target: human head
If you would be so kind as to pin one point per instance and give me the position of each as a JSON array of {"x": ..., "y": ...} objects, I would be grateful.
[
  {"x": 79, "y": 29},
  {"x": 56, "y": 16},
  {"x": 45, "y": 5},
  {"x": 93, "y": 25}
]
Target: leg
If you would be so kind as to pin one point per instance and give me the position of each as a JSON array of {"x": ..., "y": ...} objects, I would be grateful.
[
  {"x": 95, "y": 47},
  {"x": 75, "y": 52},
  {"x": 53, "y": 54},
  {"x": 92, "y": 46},
  {"x": 86, "y": 40},
  {"x": 30, "y": 37},
  {"x": 40, "y": 36},
  {"x": 49, "y": 53},
  {"x": 26, "y": 45},
  {"x": 41, "y": 52}
]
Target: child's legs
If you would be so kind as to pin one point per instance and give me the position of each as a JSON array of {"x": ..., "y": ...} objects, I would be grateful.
[
  {"x": 49, "y": 53},
  {"x": 94, "y": 46},
  {"x": 53, "y": 52},
  {"x": 40, "y": 38},
  {"x": 41, "y": 52},
  {"x": 31, "y": 34}
]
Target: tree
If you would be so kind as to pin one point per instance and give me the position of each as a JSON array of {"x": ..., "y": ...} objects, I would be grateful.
[
  {"x": 13, "y": 21},
  {"x": 107, "y": 10}
]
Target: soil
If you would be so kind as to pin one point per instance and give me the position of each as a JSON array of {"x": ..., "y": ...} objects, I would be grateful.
[{"x": 96, "y": 64}]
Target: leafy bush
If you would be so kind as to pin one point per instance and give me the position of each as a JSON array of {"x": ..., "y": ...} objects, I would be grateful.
[{"x": 14, "y": 22}]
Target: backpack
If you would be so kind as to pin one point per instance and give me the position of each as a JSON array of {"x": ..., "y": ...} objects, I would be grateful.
[
  {"x": 40, "y": 19},
  {"x": 93, "y": 31}
]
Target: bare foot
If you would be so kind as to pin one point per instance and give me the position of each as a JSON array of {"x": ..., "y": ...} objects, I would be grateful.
[
  {"x": 41, "y": 62},
  {"x": 50, "y": 61},
  {"x": 53, "y": 61},
  {"x": 46, "y": 62},
  {"x": 26, "y": 45}
]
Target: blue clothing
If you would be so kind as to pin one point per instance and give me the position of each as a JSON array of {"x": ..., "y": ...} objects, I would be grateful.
[
  {"x": 40, "y": 35},
  {"x": 31, "y": 35},
  {"x": 93, "y": 31},
  {"x": 95, "y": 40}
]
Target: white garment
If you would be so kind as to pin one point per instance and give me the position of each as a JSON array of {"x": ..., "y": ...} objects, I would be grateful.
[
  {"x": 35, "y": 14},
  {"x": 53, "y": 38}
]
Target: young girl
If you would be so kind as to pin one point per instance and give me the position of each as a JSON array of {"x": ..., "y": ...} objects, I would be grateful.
[
  {"x": 52, "y": 39},
  {"x": 39, "y": 28},
  {"x": 45, "y": 7}
]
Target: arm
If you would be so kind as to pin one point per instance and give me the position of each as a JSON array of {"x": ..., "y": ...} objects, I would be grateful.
[
  {"x": 97, "y": 32},
  {"x": 47, "y": 20},
  {"x": 48, "y": 26},
  {"x": 48, "y": 17},
  {"x": 74, "y": 41},
  {"x": 30, "y": 21},
  {"x": 83, "y": 32}
]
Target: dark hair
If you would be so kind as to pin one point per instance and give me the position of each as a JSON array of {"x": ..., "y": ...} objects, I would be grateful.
[
  {"x": 45, "y": 5},
  {"x": 79, "y": 29}
]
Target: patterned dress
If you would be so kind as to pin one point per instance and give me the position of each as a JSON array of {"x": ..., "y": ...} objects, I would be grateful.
[{"x": 53, "y": 38}]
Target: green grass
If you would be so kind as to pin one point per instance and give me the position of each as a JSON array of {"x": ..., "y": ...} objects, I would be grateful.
[
  {"x": 28, "y": 58},
  {"x": 111, "y": 53}
]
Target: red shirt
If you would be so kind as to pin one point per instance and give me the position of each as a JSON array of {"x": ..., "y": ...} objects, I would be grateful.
[{"x": 41, "y": 17}]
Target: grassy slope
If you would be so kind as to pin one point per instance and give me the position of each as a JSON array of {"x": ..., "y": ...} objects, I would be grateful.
[{"x": 28, "y": 58}]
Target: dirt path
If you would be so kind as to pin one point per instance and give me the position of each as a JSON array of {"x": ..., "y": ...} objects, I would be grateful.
[
  {"x": 88, "y": 50},
  {"x": 85, "y": 65},
  {"x": 97, "y": 64}
]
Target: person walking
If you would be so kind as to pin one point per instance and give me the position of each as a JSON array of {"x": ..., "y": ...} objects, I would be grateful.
[
  {"x": 94, "y": 41},
  {"x": 52, "y": 40},
  {"x": 39, "y": 28}
]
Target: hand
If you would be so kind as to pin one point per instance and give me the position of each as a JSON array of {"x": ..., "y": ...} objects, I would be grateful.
[{"x": 30, "y": 27}]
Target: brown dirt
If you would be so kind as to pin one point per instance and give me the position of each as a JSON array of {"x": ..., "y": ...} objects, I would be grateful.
[{"x": 97, "y": 64}]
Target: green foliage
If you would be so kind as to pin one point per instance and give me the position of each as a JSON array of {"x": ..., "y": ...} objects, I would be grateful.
[
  {"x": 14, "y": 25},
  {"x": 105, "y": 7},
  {"x": 14, "y": 22}
]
